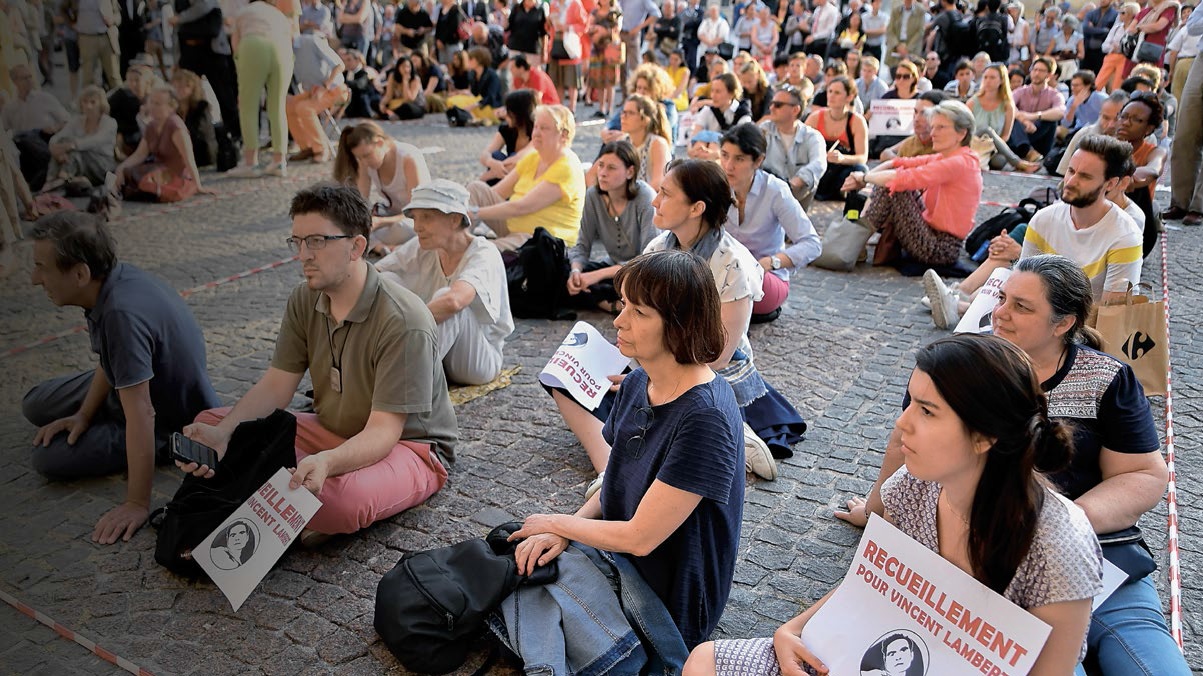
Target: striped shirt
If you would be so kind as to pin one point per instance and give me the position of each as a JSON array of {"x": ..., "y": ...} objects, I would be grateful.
[{"x": 1108, "y": 251}]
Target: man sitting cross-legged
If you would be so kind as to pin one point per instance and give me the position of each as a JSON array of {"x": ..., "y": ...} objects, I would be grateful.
[{"x": 383, "y": 424}]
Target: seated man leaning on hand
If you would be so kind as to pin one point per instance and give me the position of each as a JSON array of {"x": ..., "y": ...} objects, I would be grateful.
[
  {"x": 460, "y": 277},
  {"x": 150, "y": 382},
  {"x": 383, "y": 426}
]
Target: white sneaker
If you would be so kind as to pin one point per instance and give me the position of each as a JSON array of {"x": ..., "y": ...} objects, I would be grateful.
[
  {"x": 244, "y": 171},
  {"x": 944, "y": 301},
  {"x": 277, "y": 169},
  {"x": 757, "y": 457}
]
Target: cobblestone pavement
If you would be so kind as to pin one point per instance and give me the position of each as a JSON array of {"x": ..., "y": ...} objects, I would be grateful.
[{"x": 841, "y": 352}]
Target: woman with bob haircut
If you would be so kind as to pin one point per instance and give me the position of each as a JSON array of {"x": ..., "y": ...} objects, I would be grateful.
[
  {"x": 976, "y": 438},
  {"x": 368, "y": 159},
  {"x": 618, "y": 213},
  {"x": 926, "y": 204},
  {"x": 674, "y": 498},
  {"x": 691, "y": 207},
  {"x": 1117, "y": 472}
]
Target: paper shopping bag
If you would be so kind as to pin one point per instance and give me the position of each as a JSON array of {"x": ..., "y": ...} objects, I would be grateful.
[{"x": 1134, "y": 332}]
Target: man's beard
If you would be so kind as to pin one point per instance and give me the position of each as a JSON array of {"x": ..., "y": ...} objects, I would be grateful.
[{"x": 1082, "y": 201}]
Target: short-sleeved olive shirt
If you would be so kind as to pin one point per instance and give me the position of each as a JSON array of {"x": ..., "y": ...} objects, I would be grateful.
[{"x": 387, "y": 353}]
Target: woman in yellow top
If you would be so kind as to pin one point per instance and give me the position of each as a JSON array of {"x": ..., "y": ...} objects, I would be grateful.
[
  {"x": 679, "y": 73},
  {"x": 546, "y": 188}
]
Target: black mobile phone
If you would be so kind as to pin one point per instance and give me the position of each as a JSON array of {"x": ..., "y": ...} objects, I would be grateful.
[{"x": 187, "y": 450}]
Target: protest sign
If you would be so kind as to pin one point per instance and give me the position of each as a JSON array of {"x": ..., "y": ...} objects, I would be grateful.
[
  {"x": 903, "y": 609},
  {"x": 247, "y": 544},
  {"x": 977, "y": 318},
  {"x": 892, "y": 117},
  {"x": 581, "y": 364}
]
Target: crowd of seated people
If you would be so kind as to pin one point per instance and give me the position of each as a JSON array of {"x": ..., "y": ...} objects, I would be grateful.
[{"x": 684, "y": 254}]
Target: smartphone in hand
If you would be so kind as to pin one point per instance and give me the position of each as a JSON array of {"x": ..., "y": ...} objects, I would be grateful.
[{"x": 187, "y": 450}]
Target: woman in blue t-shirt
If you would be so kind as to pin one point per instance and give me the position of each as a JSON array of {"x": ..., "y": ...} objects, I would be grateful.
[{"x": 674, "y": 490}]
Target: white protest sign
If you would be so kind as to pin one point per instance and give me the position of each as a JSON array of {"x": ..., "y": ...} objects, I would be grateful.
[
  {"x": 902, "y": 603},
  {"x": 977, "y": 317},
  {"x": 892, "y": 117},
  {"x": 247, "y": 544},
  {"x": 581, "y": 364}
]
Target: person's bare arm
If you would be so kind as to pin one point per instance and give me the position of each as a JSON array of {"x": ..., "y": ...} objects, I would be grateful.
[
  {"x": 1132, "y": 484},
  {"x": 367, "y": 448},
  {"x": 183, "y": 145},
  {"x": 735, "y": 315},
  {"x": 1151, "y": 171},
  {"x": 125, "y": 519},
  {"x": 1069, "y": 620},
  {"x": 458, "y": 297},
  {"x": 541, "y": 196}
]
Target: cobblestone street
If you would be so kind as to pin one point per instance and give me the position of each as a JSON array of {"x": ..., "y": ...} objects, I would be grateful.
[{"x": 841, "y": 352}]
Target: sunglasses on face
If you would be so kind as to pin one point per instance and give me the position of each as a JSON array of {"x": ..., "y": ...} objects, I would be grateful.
[{"x": 902, "y": 76}]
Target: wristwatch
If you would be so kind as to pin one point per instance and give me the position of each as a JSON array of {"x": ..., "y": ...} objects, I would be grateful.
[{"x": 776, "y": 262}]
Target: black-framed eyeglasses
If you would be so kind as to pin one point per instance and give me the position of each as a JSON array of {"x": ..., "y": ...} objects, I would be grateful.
[
  {"x": 313, "y": 242},
  {"x": 643, "y": 420},
  {"x": 904, "y": 75}
]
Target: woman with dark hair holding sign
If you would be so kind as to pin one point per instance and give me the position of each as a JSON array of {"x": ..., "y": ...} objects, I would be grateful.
[
  {"x": 1117, "y": 473},
  {"x": 976, "y": 439},
  {"x": 674, "y": 497}
]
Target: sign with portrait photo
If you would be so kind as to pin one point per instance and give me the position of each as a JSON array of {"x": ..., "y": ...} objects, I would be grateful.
[
  {"x": 582, "y": 363},
  {"x": 978, "y": 318},
  {"x": 903, "y": 610},
  {"x": 246, "y": 545},
  {"x": 892, "y": 117}
]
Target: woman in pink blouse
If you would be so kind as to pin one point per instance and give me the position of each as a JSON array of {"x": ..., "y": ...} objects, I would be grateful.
[{"x": 926, "y": 204}]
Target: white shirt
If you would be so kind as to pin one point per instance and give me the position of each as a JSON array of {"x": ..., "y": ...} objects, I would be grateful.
[
  {"x": 712, "y": 30},
  {"x": 823, "y": 21}
]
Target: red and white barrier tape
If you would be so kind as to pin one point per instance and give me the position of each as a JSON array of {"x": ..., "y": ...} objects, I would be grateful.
[
  {"x": 61, "y": 630},
  {"x": 12, "y": 352},
  {"x": 1171, "y": 497}
]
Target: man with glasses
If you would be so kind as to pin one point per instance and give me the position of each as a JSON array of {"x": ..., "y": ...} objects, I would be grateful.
[
  {"x": 383, "y": 425},
  {"x": 1039, "y": 108},
  {"x": 150, "y": 381},
  {"x": 795, "y": 151}
]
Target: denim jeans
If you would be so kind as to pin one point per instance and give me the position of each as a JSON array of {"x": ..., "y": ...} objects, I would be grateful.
[{"x": 1128, "y": 636}]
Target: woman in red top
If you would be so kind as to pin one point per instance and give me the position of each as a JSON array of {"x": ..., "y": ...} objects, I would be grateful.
[
  {"x": 926, "y": 204},
  {"x": 567, "y": 16},
  {"x": 846, "y": 134},
  {"x": 1155, "y": 22}
]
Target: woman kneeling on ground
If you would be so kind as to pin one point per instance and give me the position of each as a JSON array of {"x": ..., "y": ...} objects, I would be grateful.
[
  {"x": 618, "y": 212},
  {"x": 369, "y": 158},
  {"x": 546, "y": 187},
  {"x": 926, "y": 204},
  {"x": 673, "y": 501},
  {"x": 976, "y": 437},
  {"x": 1117, "y": 472},
  {"x": 691, "y": 207}
]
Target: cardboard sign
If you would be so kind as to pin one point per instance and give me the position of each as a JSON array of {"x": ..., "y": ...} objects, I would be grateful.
[
  {"x": 892, "y": 117},
  {"x": 903, "y": 604},
  {"x": 247, "y": 544},
  {"x": 581, "y": 364},
  {"x": 978, "y": 317}
]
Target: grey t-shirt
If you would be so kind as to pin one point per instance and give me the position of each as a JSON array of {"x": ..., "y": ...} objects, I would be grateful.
[{"x": 143, "y": 331}]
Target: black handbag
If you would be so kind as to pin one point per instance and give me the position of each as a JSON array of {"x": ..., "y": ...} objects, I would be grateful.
[
  {"x": 432, "y": 603},
  {"x": 1128, "y": 551},
  {"x": 1148, "y": 52}
]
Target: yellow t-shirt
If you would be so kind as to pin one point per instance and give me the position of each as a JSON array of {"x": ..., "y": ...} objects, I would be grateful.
[
  {"x": 679, "y": 75},
  {"x": 562, "y": 219}
]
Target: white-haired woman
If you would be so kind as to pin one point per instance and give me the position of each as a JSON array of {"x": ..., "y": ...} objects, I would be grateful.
[
  {"x": 83, "y": 150},
  {"x": 926, "y": 204}
]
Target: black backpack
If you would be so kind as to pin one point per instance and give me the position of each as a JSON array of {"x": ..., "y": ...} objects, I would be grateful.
[
  {"x": 992, "y": 36},
  {"x": 959, "y": 41},
  {"x": 432, "y": 604},
  {"x": 1008, "y": 219},
  {"x": 257, "y": 449},
  {"x": 228, "y": 151},
  {"x": 537, "y": 276}
]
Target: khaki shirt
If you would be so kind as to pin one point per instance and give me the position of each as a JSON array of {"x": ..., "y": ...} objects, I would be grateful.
[{"x": 387, "y": 352}]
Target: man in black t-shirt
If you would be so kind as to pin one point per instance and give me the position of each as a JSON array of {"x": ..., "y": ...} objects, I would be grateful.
[
  {"x": 414, "y": 23},
  {"x": 151, "y": 380}
]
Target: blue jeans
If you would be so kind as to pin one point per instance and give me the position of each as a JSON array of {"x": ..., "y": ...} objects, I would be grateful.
[{"x": 1128, "y": 635}]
